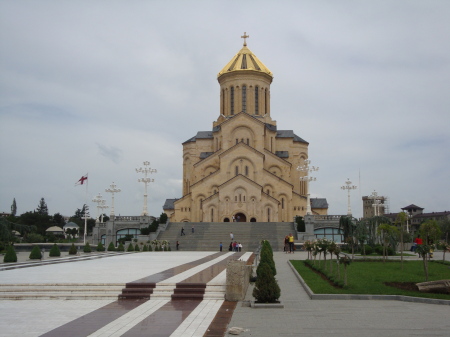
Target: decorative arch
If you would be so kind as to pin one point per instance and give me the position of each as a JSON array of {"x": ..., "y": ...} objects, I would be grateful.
[
  {"x": 275, "y": 169},
  {"x": 243, "y": 133}
]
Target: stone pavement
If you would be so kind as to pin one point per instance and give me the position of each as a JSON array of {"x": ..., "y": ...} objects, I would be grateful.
[
  {"x": 304, "y": 317},
  {"x": 300, "y": 316}
]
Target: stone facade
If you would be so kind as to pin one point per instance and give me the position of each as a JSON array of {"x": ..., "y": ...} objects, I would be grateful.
[{"x": 244, "y": 168}]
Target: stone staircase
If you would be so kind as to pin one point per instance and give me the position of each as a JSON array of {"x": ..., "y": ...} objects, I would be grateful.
[{"x": 208, "y": 235}]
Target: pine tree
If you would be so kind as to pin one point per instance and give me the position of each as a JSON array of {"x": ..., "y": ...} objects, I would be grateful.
[
  {"x": 10, "y": 255},
  {"x": 130, "y": 248},
  {"x": 266, "y": 288},
  {"x": 14, "y": 207},
  {"x": 87, "y": 248},
  {"x": 121, "y": 248},
  {"x": 73, "y": 250},
  {"x": 42, "y": 207},
  {"x": 36, "y": 253},
  {"x": 100, "y": 247},
  {"x": 54, "y": 251},
  {"x": 111, "y": 247},
  {"x": 136, "y": 248}
]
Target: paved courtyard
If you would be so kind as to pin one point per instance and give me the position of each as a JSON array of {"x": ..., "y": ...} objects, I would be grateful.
[{"x": 300, "y": 316}]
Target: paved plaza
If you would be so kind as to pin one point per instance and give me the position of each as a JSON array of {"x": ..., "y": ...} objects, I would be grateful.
[{"x": 299, "y": 317}]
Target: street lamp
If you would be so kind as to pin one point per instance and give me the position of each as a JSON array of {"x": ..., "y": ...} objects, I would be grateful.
[
  {"x": 100, "y": 206},
  {"x": 348, "y": 186},
  {"x": 85, "y": 217},
  {"x": 146, "y": 170},
  {"x": 112, "y": 190},
  {"x": 306, "y": 169}
]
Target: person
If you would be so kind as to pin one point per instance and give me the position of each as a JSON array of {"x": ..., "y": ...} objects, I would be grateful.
[
  {"x": 240, "y": 246},
  {"x": 418, "y": 241},
  {"x": 291, "y": 243},
  {"x": 220, "y": 246},
  {"x": 231, "y": 236},
  {"x": 192, "y": 229},
  {"x": 238, "y": 218},
  {"x": 178, "y": 244},
  {"x": 234, "y": 219},
  {"x": 286, "y": 243},
  {"x": 230, "y": 247},
  {"x": 182, "y": 231}
]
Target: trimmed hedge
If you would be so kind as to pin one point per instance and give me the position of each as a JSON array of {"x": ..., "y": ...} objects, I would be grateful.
[
  {"x": 54, "y": 251},
  {"x": 36, "y": 253},
  {"x": 73, "y": 250},
  {"x": 111, "y": 247},
  {"x": 10, "y": 255},
  {"x": 87, "y": 248},
  {"x": 100, "y": 247},
  {"x": 121, "y": 248}
]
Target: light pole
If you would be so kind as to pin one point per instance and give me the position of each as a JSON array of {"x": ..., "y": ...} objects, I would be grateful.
[
  {"x": 306, "y": 169},
  {"x": 100, "y": 206},
  {"x": 112, "y": 190},
  {"x": 376, "y": 203},
  {"x": 348, "y": 186},
  {"x": 146, "y": 170},
  {"x": 85, "y": 217}
]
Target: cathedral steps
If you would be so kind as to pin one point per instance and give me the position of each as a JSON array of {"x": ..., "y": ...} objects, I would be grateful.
[{"x": 208, "y": 235}]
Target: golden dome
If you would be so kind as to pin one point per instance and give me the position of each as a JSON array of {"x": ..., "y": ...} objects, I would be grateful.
[{"x": 245, "y": 60}]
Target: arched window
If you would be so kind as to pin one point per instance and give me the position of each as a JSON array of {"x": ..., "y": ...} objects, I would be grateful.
[
  {"x": 282, "y": 203},
  {"x": 268, "y": 214},
  {"x": 236, "y": 170},
  {"x": 212, "y": 214},
  {"x": 256, "y": 100},
  {"x": 246, "y": 170},
  {"x": 244, "y": 98},
  {"x": 223, "y": 101},
  {"x": 232, "y": 100},
  {"x": 265, "y": 101}
]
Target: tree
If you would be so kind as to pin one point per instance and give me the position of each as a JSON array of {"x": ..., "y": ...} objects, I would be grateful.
[
  {"x": 444, "y": 225},
  {"x": 40, "y": 221},
  {"x": 163, "y": 218},
  {"x": 111, "y": 247},
  {"x": 386, "y": 231},
  {"x": 430, "y": 232},
  {"x": 10, "y": 255},
  {"x": 42, "y": 208},
  {"x": 87, "y": 248},
  {"x": 266, "y": 288},
  {"x": 36, "y": 253},
  {"x": 58, "y": 220},
  {"x": 301, "y": 226},
  {"x": 54, "y": 251},
  {"x": 401, "y": 220},
  {"x": 14, "y": 207},
  {"x": 6, "y": 228}
]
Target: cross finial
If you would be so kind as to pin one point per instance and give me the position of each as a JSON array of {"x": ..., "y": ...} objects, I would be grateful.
[{"x": 244, "y": 37}]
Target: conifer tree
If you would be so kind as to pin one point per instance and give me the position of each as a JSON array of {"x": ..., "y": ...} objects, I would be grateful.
[
  {"x": 73, "y": 250},
  {"x": 111, "y": 247},
  {"x": 54, "y": 251},
  {"x": 87, "y": 248},
  {"x": 36, "y": 253},
  {"x": 120, "y": 248},
  {"x": 10, "y": 255},
  {"x": 130, "y": 248},
  {"x": 100, "y": 247},
  {"x": 266, "y": 288},
  {"x": 14, "y": 207}
]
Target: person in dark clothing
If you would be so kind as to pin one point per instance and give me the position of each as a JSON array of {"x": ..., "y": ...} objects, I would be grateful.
[{"x": 182, "y": 231}]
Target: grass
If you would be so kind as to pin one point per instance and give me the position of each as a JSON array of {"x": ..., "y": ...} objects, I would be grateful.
[{"x": 369, "y": 277}]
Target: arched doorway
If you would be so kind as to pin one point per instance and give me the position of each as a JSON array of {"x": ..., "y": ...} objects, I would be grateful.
[
  {"x": 240, "y": 217},
  {"x": 252, "y": 220},
  {"x": 226, "y": 220}
]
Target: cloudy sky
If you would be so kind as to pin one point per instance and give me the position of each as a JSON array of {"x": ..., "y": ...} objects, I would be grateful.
[{"x": 99, "y": 87}]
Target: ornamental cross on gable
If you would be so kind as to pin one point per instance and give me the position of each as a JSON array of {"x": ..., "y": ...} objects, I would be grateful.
[{"x": 244, "y": 37}]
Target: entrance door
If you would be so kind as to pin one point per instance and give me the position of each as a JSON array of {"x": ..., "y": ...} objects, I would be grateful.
[{"x": 240, "y": 217}]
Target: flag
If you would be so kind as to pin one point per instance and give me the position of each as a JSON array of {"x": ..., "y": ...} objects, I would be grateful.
[{"x": 82, "y": 179}]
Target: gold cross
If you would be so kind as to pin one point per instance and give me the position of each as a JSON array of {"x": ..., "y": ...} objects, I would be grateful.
[{"x": 244, "y": 37}]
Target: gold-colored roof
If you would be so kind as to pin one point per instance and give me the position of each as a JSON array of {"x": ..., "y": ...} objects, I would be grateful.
[{"x": 245, "y": 60}]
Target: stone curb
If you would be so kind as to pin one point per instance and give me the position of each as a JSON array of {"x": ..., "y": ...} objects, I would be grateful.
[
  {"x": 364, "y": 297},
  {"x": 266, "y": 305}
]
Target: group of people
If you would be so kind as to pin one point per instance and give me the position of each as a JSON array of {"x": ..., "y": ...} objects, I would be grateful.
[
  {"x": 418, "y": 242},
  {"x": 235, "y": 246},
  {"x": 289, "y": 244}
]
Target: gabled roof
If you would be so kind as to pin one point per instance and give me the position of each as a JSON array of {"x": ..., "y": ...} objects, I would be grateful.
[
  {"x": 319, "y": 203},
  {"x": 290, "y": 134},
  {"x": 411, "y": 207},
  {"x": 169, "y": 204}
]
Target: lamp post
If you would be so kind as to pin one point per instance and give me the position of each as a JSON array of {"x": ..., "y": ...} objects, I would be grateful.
[
  {"x": 100, "y": 206},
  {"x": 348, "y": 186},
  {"x": 146, "y": 170},
  {"x": 85, "y": 217},
  {"x": 112, "y": 189},
  {"x": 306, "y": 169}
]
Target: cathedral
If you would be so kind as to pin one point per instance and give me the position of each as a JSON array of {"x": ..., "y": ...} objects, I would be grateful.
[{"x": 245, "y": 168}]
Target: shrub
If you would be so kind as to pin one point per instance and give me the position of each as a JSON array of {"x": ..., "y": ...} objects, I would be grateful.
[
  {"x": 36, "y": 253},
  {"x": 111, "y": 247},
  {"x": 54, "y": 251},
  {"x": 87, "y": 248},
  {"x": 266, "y": 257},
  {"x": 150, "y": 249},
  {"x": 136, "y": 248},
  {"x": 130, "y": 248},
  {"x": 121, "y": 248},
  {"x": 73, "y": 250},
  {"x": 100, "y": 247},
  {"x": 145, "y": 248},
  {"x": 34, "y": 238},
  {"x": 368, "y": 249},
  {"x": 266, "y": 287},
  {"x": 10, "y": 255},
  {"x": 301, "y": 226}
]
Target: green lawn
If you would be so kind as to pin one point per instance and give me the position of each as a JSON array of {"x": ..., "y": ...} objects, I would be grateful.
[{"x": 369, "y": 277}]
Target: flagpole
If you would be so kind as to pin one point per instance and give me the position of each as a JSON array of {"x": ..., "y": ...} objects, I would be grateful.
[{"x": 85, "y": 217}]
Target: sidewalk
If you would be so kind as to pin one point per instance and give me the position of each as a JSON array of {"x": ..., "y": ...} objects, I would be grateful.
[{"x": 304, "y": 317}]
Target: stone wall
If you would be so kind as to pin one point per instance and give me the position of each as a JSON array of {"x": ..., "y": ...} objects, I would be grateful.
[{"x": 238, "y": 279}]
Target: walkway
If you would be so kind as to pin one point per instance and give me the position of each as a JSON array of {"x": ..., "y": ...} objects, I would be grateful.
[{"x": 304, "y": 317}]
